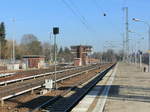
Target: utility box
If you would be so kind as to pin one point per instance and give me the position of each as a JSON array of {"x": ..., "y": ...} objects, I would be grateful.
[
  {"x": 13, "y": 67},
  {"x": 48, "y": 83},
  {"x": 24, "y": 66}
]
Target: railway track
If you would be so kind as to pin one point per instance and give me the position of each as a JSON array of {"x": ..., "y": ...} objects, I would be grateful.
[
  {"x": 23, "y": 74},
  {"x": 29, "y": 99},
  {"x": 32, "y": 75},
  {"x": 22, "y": 87},
  {"x": 67, "y": 102}
]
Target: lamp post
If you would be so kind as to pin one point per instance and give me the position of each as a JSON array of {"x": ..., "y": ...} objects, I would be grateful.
[
  {"x": 138, "y": 47},
  {"x": 13, "y": 59},
  {"x": 140, "y": 52},
  {"x": 138, "y": 20},
  {"x": 55, "y": 32}
]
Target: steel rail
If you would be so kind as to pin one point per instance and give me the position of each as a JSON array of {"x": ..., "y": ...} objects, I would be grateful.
[
  {"x": 6, "y": 74},
  {"x": 88, "y": 89},
  {"x": 35, "y": 76},
  {"x": 40, "y": 85},
  {"x": 99, "y": 76}
]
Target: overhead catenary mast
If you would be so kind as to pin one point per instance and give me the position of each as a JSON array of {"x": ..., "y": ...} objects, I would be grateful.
[
  {"x": 126, "y": 34},
  {"x": 123, "y": 43}
]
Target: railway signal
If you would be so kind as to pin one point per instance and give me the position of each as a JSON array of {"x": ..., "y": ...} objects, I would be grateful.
[{"x": 55, "y": 32}]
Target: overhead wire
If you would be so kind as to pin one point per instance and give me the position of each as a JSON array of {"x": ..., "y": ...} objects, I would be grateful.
[
  {"x": 100, "y": 9},
  {"x": 77, "y": 10},
  {"x": 124, "y": 3},
  {"x": 78, "y": 15},
  {"x": 74, "y": 9},
  {"x": 98, "y": 6}
]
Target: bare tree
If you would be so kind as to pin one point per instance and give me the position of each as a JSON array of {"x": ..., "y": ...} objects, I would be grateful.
[
  {"x": 48, "y": 51},
  {"x": 8, "y": 52},
  {"x": 31, "y": 45}
]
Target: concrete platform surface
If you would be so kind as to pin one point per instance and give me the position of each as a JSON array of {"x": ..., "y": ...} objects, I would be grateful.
[
  {"x": 95, "y": 100},
  {"x": 130, "y": 90}
]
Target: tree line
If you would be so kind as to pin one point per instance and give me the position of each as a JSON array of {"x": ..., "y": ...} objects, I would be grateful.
[
  {"x": 3, "y": 41},
  {"x": 30, "y": 45}
]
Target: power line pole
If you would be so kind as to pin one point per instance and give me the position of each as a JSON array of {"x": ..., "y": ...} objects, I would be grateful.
[
  {"x": 127, "y": 34},
  {"x": 14, "y": 44},
  {"x": 50, "y": 49},
  {"x": 123, "y": 47}
]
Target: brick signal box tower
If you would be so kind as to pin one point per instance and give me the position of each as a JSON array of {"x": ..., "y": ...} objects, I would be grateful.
[{"x": 80, "y": 53}]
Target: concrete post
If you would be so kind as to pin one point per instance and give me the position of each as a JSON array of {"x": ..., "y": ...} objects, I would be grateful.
[
  {"x": 32, "y": 91},
  {"x": 149, "y": 48},
  {"x": 140, "y": 60},
  {"x": 2, "y": 102}
]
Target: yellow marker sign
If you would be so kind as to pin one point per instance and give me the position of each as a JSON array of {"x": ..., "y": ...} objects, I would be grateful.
[{"x": 148, "y": 51}]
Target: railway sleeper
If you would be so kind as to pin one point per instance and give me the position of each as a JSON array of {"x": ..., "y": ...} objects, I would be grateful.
[{"x": 68, "y": 103}]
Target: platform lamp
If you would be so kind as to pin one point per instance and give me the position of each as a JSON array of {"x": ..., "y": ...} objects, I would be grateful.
[
  {"x": 55, "y": 32},
  {"x": 145, "y": 22}
]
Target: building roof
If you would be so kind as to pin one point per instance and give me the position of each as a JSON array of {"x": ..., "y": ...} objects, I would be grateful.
[
  {"x": 85, "y": 46},
  {"x": 33, "y": 56}
]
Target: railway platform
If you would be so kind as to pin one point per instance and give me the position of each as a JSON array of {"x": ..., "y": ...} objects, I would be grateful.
[{"x": 126, "y": 88}]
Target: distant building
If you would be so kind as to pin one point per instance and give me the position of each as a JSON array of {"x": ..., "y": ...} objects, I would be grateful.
[
  {"x": 93, "y": 60},
  {"x": 80, "y": 53},
  {"x": 34, "y": 61}
]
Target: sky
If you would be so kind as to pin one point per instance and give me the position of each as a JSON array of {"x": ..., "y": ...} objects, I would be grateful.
[{"x": 80, "y": 21}]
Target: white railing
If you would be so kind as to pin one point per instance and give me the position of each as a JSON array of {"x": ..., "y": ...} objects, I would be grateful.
[
  {"x": 36, "y": 87},
  {"x": 6, "y": 74}
]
